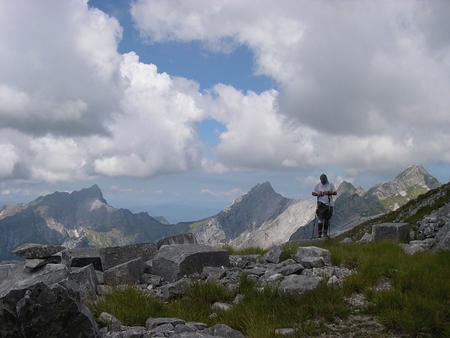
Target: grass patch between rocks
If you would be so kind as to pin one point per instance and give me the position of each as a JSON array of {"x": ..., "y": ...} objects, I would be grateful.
[{"x": 407, "y": 294}]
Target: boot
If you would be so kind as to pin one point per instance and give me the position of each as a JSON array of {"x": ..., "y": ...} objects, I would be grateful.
[{"x": 319, "y": 230}]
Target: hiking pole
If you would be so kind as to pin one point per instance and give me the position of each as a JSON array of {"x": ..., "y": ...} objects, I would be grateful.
[
  {"x": 329, "y": 215},
  {"x": 315, "y": 218}
]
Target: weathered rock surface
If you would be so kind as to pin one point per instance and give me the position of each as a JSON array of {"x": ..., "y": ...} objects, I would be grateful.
[
  {"x": 42, "y": 303},
  {"x": 174, "y": 261},
  {"x": 394, "y": 231},
  {"x": 48, "y": 301},
  {"x": 31, "y": 250}
]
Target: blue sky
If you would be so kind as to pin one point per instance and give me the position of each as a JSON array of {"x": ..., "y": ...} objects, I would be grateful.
[{"x": 179, "y": 107}]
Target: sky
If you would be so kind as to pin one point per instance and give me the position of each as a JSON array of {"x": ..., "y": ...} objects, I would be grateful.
[{"x": 177, "y": 108}]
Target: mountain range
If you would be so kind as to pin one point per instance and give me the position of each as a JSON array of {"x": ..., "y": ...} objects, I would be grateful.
[
  {"x": 78, "y": 219},
  {"x": 260, "y": 218}
]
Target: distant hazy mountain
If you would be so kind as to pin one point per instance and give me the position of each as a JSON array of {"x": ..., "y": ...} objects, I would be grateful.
[
  {"x": 261, "y": 218},
  {"x": 77, "y": 219}
]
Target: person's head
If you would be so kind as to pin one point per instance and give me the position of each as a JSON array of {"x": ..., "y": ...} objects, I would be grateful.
[{"x": 323, "y": 179}]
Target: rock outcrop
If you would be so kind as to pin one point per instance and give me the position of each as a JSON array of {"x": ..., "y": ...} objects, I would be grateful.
[{"x": 48, "y": 301}]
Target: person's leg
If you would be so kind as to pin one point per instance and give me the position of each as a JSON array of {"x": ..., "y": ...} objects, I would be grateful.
[
  {"x": 321, "y": 213},
  {"x": 319, "y": 228},
  {"x": 325, "y": 227}
]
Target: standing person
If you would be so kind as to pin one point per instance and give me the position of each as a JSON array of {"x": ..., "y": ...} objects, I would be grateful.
[{"x": 324, "y": 192}]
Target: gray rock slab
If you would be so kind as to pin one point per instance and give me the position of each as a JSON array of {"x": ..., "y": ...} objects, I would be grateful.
[
  {"x": 152, "y": 323},
  {"x": 312, "y": 262},
  {"x": 311, "y": 251},
  {"x": 34, "y": 263},
  {"x": 391, "y": 231},
  {"x": 54, "y": 311},
  {"x": 222, "y": 330},
  {"x": 14, "y": 276},
  {"x": 291, "y": 269},
  {"x": 274, "y": 255},
  {"x": 174, "y": 261},
  {"x": 32, "y": 250},
  {"x": 117, "y": 255},
  {"x": 79, "y": 257},
  {"x": 214, "y": 273},
  {"x": 175, "y": 289},
  {"x": 126, "y": 273},
  {"x": 177, "y": 239},
  {"x": 366, "y": 238},
  {"x": 245, "y": 261},
  {"x": 87, "y": 281},
  {"x": 298, "y": 284},
  {"x": 443, "y": 238}
]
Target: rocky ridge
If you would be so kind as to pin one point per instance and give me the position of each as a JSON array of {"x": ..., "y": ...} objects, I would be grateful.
[
  {"x": 260, "y": 218},
  {"x": 78, "y": 219}
]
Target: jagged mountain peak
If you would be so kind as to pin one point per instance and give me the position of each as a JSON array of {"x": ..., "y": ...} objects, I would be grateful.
[
  {"x": 417, "y": 175},
  {"x": 251, "y": 210},
  {"x": 75, "y": 197},
  {"x": 262, "y": 186},
  {"x": 93, "y": 192},
  {"x": 347, "y": 187}
]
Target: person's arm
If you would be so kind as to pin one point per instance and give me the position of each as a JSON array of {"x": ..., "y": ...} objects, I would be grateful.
[{"x": 316, "y": 191}]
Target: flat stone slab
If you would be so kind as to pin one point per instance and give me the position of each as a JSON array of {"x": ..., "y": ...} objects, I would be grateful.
[
  {"x": 298, "y": 284},
  {"x": 188, "y": 238},
  {"x": 113, "y": 256},
  {"x": 174, "y": 261},
  {"x": 32, "y": 250},
  {"x": 311, "y": 251},
  {"x": 125, "y": 273},
  {"x": 80, "y": 257},
  {"x": 391, "y": 231}
]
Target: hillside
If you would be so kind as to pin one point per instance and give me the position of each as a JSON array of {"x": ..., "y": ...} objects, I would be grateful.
[
  {"x": 432, "y": 203},
  {"x": 354, "y": 206}
]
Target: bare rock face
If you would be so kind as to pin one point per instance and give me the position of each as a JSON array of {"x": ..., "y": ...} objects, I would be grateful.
[
  {"x": 42, "y": 303},
  {"x": 260, "y": 218},
  {"x": 296, "y": 284},
  {"x": 174, "y": 261},
  {"x": 394, "y": 231},
  {"x": 54, "y": 311},
  {"x": 32, "y": 250}
]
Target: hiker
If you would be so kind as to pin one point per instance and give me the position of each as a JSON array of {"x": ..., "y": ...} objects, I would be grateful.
[{"x": 324, "y": 192}]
